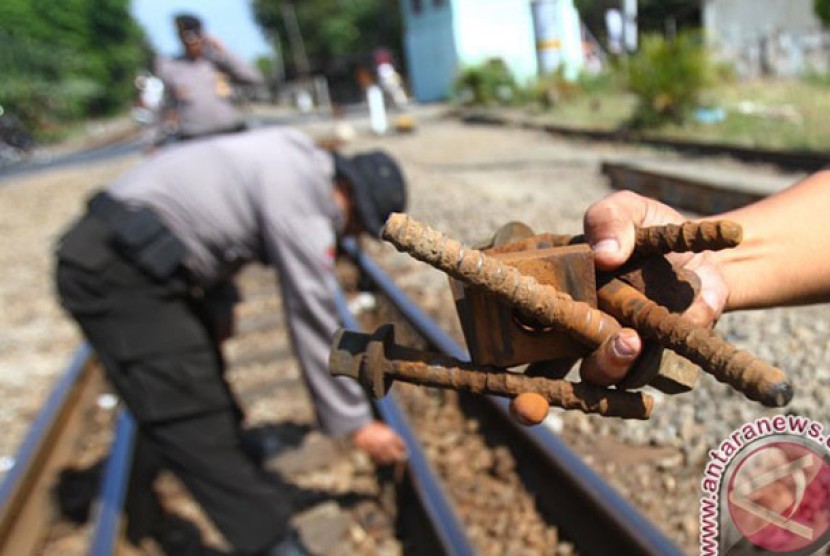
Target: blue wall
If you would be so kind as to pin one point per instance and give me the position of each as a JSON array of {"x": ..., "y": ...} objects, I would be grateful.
[
  {"x": 496, "y": 29},
  {"x": 440, "y": 40},
  {"x": 430, "y": 50}
]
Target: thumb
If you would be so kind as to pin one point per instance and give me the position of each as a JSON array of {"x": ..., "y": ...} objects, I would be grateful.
[{"x": 610, "y": 231}]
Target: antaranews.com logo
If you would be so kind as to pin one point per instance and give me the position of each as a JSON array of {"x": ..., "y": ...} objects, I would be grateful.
[{"x": 766, "y": 490}]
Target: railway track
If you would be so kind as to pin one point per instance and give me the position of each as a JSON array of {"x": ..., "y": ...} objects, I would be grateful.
[
  {"x": 569, "y": 497},
  {"x": 799, "y": 160},
  {"x": 27, "y": 507},
  {"x": 680, "y": 191},
  {"x": 28, "y": 504},
  {"x": 702, "y": 434}
]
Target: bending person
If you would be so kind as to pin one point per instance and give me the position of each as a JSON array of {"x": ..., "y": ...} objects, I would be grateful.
[{"x": 147, "y": 273}]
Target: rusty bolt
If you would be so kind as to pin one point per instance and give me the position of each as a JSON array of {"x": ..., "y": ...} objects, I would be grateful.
[
  {"x": 741, "y": 370},
  {"x": 376, "y": 361},
  {"x": 539, "y": 303},
  {"x": 689, "y": 236}
]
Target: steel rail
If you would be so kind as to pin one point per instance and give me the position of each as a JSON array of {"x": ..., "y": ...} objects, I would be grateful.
[
  {"x": 113, "y": 491},
  {"x": 25, "y": 492},
  {"x": 25, "y": 495},
  {"x": 595, "y": 517},
  {"x": 680, "y": 192},
  {"x": 803, "y": 160},
  {"x": 450, "y": 536}
]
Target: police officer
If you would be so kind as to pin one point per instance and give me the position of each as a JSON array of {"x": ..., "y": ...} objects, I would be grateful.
[
  {"x": 198, "y": 84},
  {"x": 147, "y": 272}
]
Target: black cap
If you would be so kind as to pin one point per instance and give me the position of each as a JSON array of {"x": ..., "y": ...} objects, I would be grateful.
[
  {"x": 377, "y": 184},
  {"x": 188, "y": 22}
]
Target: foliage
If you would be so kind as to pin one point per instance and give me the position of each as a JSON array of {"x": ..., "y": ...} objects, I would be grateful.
[
  {"x": 67, "y": 60},
  {"x": 816, "y": 78},
  {"x": 668, "y": 77},
  {"x": 554, "y": 89},
  {"x": 332, "y": 28},
  {"x": 486, "y": 84},
  {"x": 822, "y": 9}
]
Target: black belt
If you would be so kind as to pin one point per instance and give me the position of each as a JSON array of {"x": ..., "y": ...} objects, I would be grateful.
[
  {"x": 182, "y": 136},
  {"x": 139, "y": 235}
]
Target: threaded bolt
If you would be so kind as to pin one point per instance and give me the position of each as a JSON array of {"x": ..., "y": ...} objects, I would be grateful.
[
  {"x": 755, "y": 378},
  {"x": 688, "y": 237},
  {"x": 376, "y": 362}
]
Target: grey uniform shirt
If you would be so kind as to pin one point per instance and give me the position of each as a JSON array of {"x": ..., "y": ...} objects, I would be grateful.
[
  {"x": 261, "y": 195},
  {"x": 200, "y": 92}
]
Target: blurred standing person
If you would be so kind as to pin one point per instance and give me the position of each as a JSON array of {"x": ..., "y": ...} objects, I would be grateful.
[
  {"x": 147, "y": 107},
  {"x": 389, "y": 78},
  {"x": 199, "y": 84}
]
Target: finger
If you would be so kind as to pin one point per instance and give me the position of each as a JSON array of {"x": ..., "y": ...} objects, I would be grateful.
[
  {"x": 609, "y": 229},
  {"x": 400, "y": 449},
  {"x": 610, "y": 362},
  {"x": 392, "y": 453},
  {"x": 610, "y": 225},
  {"x": 529, "y": 408}
]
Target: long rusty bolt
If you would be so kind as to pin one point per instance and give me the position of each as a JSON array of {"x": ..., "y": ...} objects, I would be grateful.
[
  {"x": 755, "y": 378},
  {"x": 376, "y": 361},
  {"x": 540, "y": 303},
  {"x": 690, "y": 236}
]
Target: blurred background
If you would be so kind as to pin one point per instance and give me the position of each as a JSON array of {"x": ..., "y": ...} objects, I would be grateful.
[{"x": 747, "y": 71}]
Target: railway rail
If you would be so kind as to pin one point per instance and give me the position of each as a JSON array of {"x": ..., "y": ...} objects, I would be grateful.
[
  {"x": 668, "y": 501},
  {"x": 801, "y": 160},
  {"x": 682, "y": 192}
]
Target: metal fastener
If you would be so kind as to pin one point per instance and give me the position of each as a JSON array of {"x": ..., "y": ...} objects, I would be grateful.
[
  {"x": 692, "y": 237},
  {"x": 544, "y": 304},
  {"x": 376, "y": 361}
]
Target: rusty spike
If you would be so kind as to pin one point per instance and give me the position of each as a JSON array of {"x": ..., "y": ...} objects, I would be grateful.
[
  {"x": 543, "y": 304},
  {"x": 376, "y": 362},
  {"x": 711, "y": 235},
  {"x": 756, "y": 379}
]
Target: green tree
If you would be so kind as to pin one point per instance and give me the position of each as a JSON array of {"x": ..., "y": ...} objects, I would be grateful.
[
  {"x": 332, "y": 28},
  {"x": 822, "y": 9},
  {"x": 66, "y": 60}
]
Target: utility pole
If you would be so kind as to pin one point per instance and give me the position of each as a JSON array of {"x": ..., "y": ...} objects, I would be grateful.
[
  {"x": 295, "y": 38},
  {"x": 629, "y": 17}
]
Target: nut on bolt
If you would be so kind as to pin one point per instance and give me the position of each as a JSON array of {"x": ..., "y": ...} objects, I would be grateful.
[{"x": 360, "y": 357}]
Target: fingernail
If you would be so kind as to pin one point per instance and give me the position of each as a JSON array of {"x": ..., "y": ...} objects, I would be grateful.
[
  {"x": 624, "y": 346},
  {"x": 609, "y": 246}
]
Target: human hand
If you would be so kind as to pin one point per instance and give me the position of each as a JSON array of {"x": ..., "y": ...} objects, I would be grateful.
[
  {"x": 380, "y": 442},
  {"x": 215, "y": 45},
  {"x": 610, "y": 228}
]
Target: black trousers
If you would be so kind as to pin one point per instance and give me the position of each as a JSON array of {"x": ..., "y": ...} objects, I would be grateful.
[{"x": 158, "y": 351}]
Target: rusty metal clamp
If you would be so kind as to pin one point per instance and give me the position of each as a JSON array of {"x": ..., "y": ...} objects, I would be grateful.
[{"x": 510, "y": 274}]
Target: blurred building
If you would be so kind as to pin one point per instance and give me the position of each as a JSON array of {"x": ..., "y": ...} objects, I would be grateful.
[
  {"x": 779, "y": 38},
  {"x": 443, "y": 36}
]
